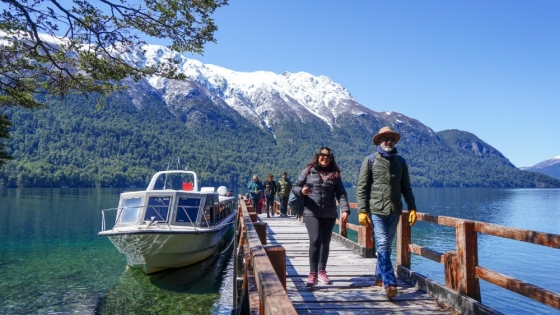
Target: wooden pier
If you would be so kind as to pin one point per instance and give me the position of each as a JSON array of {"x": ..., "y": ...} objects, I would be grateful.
[
  {"x": 272, "y": 266},
  {"x": 353, "y": 290}
]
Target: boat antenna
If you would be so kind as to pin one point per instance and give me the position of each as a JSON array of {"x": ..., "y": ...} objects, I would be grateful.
[{"x": 165, "y": 180}]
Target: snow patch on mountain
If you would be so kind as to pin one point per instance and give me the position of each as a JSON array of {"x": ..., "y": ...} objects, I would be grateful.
[
  {"x": 547, "y": 163},
  {"x": 255, "y": 93}
]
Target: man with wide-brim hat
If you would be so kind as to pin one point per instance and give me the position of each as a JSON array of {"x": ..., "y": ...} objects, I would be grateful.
[
  {"x": 382, "y": 184},
  {"x": 386, "y": 132}
]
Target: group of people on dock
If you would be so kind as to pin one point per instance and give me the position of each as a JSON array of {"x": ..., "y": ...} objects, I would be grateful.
[
  {"x": 382, "y": 183},
  {"x": 263, "y": 195}
]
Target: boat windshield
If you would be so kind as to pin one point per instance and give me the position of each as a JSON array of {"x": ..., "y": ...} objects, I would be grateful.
[
  {"x": 130, "y": 210},
  {"x": 158, "y": 208},
  {"x": 175, "y": 181}
]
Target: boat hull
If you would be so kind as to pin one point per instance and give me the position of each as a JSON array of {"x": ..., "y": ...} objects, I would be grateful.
[
  {"x": 153, "y": 251},
  {"x": 173, "y": 223}
]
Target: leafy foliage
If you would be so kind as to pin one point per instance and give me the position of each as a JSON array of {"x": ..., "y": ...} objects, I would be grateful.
[{"x": 50, "y": 48}]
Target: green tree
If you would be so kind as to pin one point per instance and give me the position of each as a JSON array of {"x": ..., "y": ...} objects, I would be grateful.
[
  {"x": 4, "y": 134},
  {"x": 50, "y": 48}
]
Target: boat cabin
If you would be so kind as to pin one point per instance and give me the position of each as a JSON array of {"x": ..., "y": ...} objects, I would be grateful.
[{"x": 174, "y": 199}]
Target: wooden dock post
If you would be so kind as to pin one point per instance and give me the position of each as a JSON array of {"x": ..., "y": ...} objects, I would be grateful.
[
  {"x": 450, "y": 270},
  {"x": 404, "y": 239},
  {"x": 260, "y": 228},
  {"x": 277, "y": 256},
  {"x": 467, "y": 259}
]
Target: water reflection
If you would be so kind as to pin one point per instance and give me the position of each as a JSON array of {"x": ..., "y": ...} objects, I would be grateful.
[{"x": 193, "y": 289}]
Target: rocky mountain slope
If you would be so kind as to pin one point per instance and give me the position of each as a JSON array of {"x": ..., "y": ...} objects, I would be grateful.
[{"x": 228, "y": 125}]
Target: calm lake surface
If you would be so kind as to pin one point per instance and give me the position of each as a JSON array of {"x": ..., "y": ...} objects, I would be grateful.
[{"x": 53, "y": 262}]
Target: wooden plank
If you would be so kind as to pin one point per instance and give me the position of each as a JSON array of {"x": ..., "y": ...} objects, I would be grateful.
[
  {"x": 382, "y": 307},
  {"x": 426, "y": 253},
  {"x": 526, "y": 289},
  {"x": 534, "y": 237},
  {"x": 332, "y": 270},
  {"x": 437, "y": 219}
]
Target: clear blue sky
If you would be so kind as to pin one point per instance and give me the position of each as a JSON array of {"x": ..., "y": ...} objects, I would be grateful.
[{"x": 489, "y": 67}]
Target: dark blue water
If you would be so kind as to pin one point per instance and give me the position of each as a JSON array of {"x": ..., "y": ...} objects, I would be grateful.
[{"x": 53, "y": 262}]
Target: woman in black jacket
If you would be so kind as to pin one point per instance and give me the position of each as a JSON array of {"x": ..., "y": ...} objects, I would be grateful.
[{"x": 320, "y": 185}]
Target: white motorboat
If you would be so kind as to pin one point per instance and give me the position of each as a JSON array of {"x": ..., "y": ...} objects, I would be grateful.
[{"x": 172, "y": 223}]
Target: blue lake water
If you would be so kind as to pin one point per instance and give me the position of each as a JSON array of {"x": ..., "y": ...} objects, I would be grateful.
[{"x": 53, "y": 262}]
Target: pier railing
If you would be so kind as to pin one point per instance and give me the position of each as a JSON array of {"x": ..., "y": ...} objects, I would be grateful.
[
  {"x": 461, "y": 268},
  {"x": 263, "y": 287}
]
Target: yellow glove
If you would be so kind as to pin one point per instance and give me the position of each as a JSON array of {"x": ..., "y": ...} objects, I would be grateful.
[
  {"x": 412, "y": 217},
  {"x": 363, "y": 218}
]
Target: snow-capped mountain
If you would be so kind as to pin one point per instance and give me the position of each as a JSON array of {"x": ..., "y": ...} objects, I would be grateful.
[
  {"x": 549, "y": 167},
  {"x": 261, "y": 96},
  {"x": 229, "y": 124}
]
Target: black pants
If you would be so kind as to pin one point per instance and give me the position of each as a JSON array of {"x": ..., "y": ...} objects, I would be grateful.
[
  {"x": 284, "y": 204},
  {"x": 320, "y": 233},
  {"x": 270, "y": 204},
  {"x": 255, "y": 203}
]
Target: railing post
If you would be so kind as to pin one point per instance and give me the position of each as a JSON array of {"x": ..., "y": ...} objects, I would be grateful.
[
  {"x": 260, "y": 228},
  {"x": 450, "y": 270},
  {"x": 467, "y": 259},
  {"x": 343, "y": 229},
  {"x": 365, "y": 237},
  {"x": 403, "y": 240},
  {"x": 277, "y": 256}
]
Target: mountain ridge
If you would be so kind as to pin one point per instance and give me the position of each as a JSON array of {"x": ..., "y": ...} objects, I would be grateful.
[
  {"x": 550, "y": 167},
  {"x": 230, "y": 126}
]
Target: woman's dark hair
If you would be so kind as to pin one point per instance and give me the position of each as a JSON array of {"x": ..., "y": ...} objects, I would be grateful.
[{"x": 331, "y": 168}]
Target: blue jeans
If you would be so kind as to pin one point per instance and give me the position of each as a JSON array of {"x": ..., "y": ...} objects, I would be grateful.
[{"x": 384, "y": 229}]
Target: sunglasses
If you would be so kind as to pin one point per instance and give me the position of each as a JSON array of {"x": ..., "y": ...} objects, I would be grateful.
[
  {"x": 392, "y": 139},
  {"x": 323, "y": 155}
]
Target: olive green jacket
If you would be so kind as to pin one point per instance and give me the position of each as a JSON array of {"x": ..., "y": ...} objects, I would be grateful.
[
  {"x": 382, "y": 184},
  {"x": 283, "y": 187}
]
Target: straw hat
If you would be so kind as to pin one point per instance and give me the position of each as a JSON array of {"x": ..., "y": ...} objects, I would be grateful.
[{"x": 385, "y": 131}]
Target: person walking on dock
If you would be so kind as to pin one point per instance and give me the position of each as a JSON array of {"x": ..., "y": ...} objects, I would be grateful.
[
  {"x": 320, "y": 185},
  {"x": 269, "y": 192},
  {"x": 255, "y": 189},
  {"x": 382, "y": 183},
  {"x": 284, "y": 186}
]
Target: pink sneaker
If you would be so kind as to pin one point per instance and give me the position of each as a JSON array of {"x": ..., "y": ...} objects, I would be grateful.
[
  {"x": 323, "y": 277},
  {"x": 311, "y": 280}
]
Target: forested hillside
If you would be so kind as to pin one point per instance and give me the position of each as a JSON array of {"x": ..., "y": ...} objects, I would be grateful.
[{"x": 73, "y": 144}]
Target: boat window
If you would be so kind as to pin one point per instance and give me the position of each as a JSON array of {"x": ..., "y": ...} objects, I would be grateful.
[
  {"x": 218, "y": 211},
  {"x": 158, "y": 207},
  {"x": 209, "y": 209},
  {"x": 130, "y": 210},
  {"x": 187, "y": 208}
]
